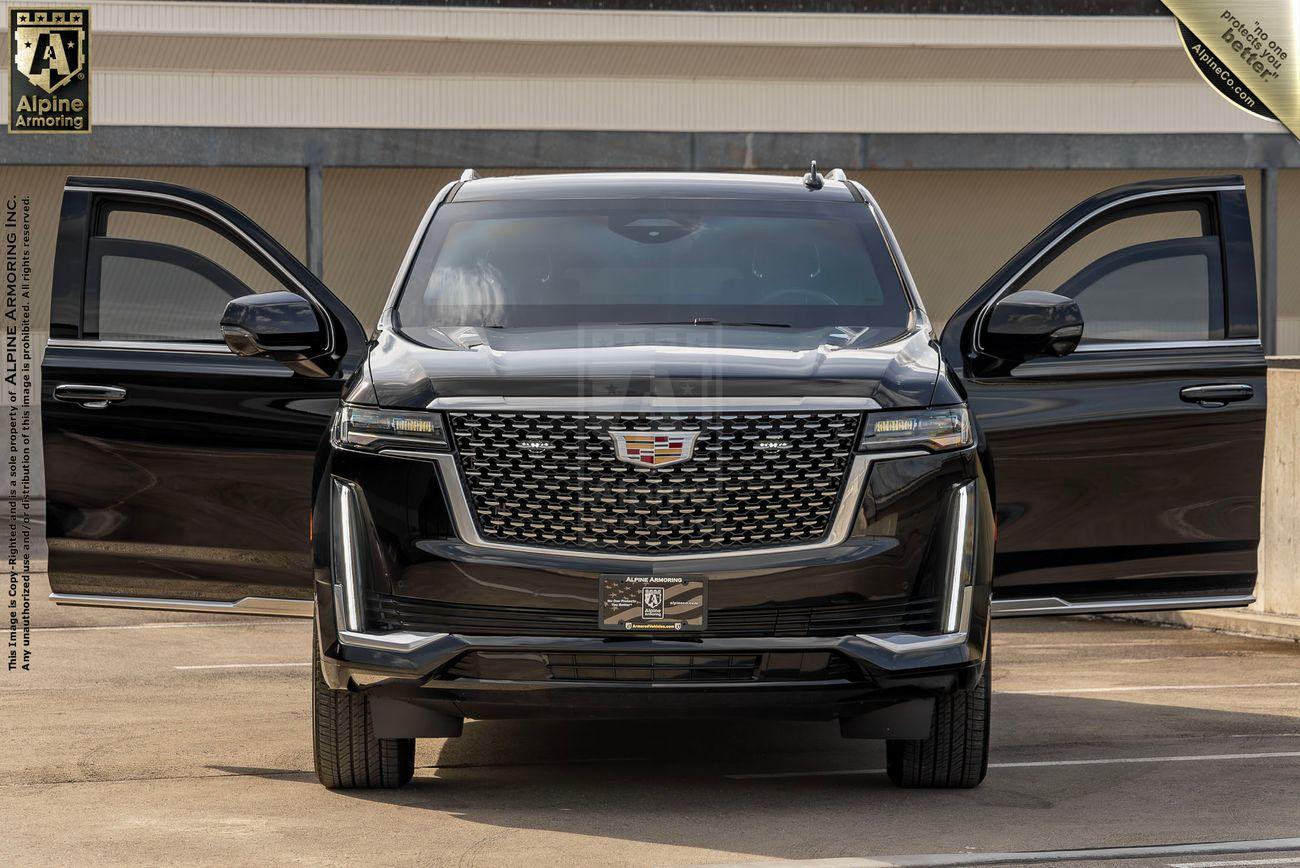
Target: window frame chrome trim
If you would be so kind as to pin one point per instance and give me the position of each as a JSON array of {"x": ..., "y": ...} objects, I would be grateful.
[
  {"x": 148, "y": 346},
  {"x": 896, "y": 251},
  {"x": 269, "y": 606},
  {"x": 1148, "y": 346},
  {"x": 466, "y": 526},
  {"x": 386, "y": 315},
  {"x": 983, "y": 313},
  {"x": 189, "y": 204}
]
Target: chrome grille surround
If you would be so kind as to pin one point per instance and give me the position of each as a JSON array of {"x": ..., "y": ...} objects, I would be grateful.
[{"x": 733, "y": 495}]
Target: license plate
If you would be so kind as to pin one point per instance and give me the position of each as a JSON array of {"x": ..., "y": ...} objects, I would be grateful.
[{"x": 652, "y": 604}]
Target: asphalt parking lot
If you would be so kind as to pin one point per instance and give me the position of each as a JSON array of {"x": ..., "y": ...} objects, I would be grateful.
[{"x": 146, "y": 738}]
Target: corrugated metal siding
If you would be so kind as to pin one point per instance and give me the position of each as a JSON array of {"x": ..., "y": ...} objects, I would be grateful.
[
  {"x": 956, "y": 227},
  {"x": 207, "y": 99},
  {"x": 272, "y": 197},
  {"x": 239, "y": 64},
  {"x": 340, "y": 21}
]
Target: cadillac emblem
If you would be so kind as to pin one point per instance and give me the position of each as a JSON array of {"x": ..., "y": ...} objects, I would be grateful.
[{"x": 654, "y": 448}]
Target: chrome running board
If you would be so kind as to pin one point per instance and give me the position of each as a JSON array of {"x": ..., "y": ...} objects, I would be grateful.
[
  {"x": 1025, "y": 606},
  {"x": 243, "y": 606}
]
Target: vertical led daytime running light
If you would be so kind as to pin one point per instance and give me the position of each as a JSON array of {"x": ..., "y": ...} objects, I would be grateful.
[
  {"x": 961, "y": 553},
  {"x": 345, "y": 506}
]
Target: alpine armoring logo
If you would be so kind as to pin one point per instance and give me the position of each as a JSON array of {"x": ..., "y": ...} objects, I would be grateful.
[{"x": 49, "y": 82}]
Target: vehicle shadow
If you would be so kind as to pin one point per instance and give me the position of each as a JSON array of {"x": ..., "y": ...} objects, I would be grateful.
[{"x": 675, "y": 782}]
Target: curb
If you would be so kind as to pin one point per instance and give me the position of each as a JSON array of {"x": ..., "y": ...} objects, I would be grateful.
[{"x": 1241, "y": 622}]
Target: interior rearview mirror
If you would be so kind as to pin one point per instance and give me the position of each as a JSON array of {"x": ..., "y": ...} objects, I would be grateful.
[
  {"x": 1029, "y": 324},
  {"x": 280, "y": 326}
]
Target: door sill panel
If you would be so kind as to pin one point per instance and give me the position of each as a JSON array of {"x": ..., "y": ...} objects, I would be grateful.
[
  {"x": 1022, "y": 607},
  {"x": 242, "y": 606}
]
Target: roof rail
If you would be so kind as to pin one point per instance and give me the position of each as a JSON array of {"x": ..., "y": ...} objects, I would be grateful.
[
  {"x": 468, "y": 175},
  {"x": 836, "y": 175}
]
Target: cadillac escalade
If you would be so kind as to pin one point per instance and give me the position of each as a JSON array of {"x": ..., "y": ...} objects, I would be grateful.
[{"x": 654, "y": 445}]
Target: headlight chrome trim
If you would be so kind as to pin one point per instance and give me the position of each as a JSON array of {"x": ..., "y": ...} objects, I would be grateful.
[
  {"x": 934, "y": 429},
  {"x": 371, "y": 429}
]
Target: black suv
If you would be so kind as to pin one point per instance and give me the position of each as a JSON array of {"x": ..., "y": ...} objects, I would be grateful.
[{"x": 654, "y": 445}]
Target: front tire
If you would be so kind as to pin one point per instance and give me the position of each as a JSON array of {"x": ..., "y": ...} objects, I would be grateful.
[
  {"x": 956, "y": 755},
  {"x": 347, "y": 753}
]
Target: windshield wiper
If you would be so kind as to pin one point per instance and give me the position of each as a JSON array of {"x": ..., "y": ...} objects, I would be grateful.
[{"x": 710, "y": 321}]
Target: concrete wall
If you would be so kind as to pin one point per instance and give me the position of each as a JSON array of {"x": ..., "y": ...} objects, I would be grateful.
[{"x": 1278, "y": 590}]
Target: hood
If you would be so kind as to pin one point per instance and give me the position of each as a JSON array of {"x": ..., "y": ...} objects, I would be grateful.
[{"x": 891, "y": 369}]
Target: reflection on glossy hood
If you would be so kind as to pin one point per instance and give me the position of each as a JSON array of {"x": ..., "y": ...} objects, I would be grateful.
[{"x": 892, "y": 369}]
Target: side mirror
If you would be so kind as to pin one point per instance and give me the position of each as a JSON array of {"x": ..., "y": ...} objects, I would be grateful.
[
  {"x": 1028, "y": 324},
  {"x": 277, "y": 325}
]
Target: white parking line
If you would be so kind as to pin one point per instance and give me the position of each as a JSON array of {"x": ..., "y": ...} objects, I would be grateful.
[
  {"x": 264, "y": 622},
  {"x": 1045, "y": 856},
  {"x": 1099, "y": 761},
  {"x": 1224, "y": 863},
  {"x": 1004, "y": 645},
  {"x": 1145, "y": 687},
  {"x": 240, "y": 666}
]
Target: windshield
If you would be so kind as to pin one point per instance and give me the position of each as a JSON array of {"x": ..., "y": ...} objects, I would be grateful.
[{"x": 537, "y": 264}]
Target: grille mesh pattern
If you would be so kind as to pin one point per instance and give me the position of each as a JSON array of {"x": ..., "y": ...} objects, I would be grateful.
[{"x": 756, "y": 480}]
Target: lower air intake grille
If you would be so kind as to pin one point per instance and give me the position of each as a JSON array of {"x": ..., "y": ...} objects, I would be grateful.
[
  {"x": 654, "y": 668},
  {"x": 918, "y": 615}
]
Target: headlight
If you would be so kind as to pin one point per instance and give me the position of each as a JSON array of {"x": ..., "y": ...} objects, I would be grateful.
[
  {"x": 372, "y": 430},
  {"x": 937, "y": 430}
]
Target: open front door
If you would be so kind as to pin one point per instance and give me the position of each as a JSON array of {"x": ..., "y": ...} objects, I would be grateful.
[
  {"x": 178, "y": 474},
  {"x": 1126, "y": 473}
]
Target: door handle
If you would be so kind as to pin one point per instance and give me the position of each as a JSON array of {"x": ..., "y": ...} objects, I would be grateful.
[
  {"x": 90, "y": 397},
  {"x": 1218, "y": 395}
]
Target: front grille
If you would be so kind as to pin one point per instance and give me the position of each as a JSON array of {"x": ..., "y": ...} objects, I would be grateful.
[
  {"x": 918, "y": 615},
  {"x": 654, "y": 668},
  {"x": 554, "y": 480}
]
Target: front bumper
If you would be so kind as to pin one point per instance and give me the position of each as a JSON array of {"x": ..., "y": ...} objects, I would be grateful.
[
  {"x": 900, "y": 543},
  {"x": 892, "y": 669}
]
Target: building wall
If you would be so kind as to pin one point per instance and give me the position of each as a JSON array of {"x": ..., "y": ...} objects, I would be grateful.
[
  {"x": 395, "y": 66},
  {"x": 956, "y": 227},
  {"x": 1288, "y": 263},
  {"x": 272, "y": 197}
]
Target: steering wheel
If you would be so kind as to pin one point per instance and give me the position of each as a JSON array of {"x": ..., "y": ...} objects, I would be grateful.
[{"x": 797, "y": 295}]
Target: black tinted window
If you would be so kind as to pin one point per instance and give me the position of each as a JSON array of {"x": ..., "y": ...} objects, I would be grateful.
[
  {"x": 1159, "y": 291},
  {"x": 1148, "y": 273},
  {"x": 151, "y": 299},
  {"x": 154, "y": 274},
  {"x": 557, "y": 263}
]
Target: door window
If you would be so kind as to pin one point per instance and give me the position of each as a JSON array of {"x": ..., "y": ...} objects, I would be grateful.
[
  {"x": 1143, "y": 275},
  {"x": 157, "y": 275}
]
